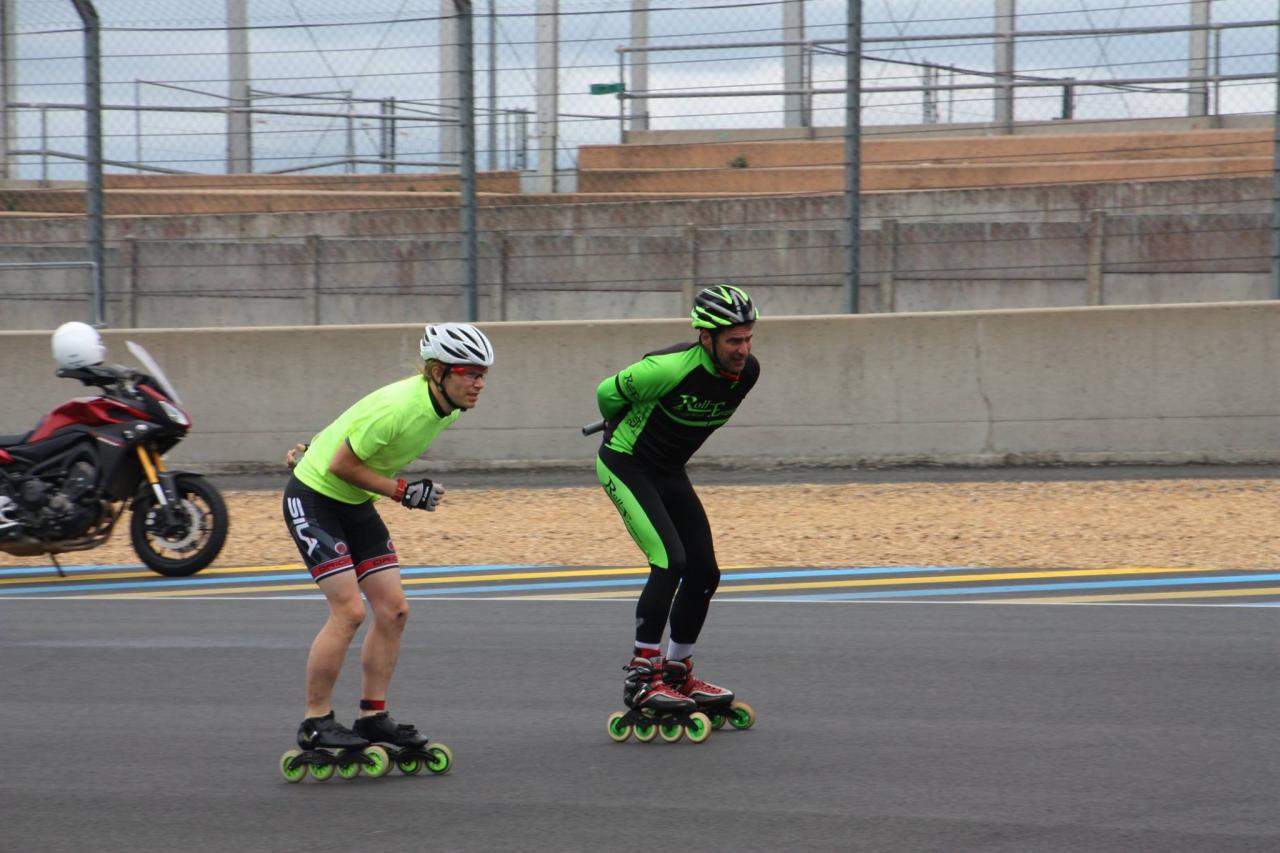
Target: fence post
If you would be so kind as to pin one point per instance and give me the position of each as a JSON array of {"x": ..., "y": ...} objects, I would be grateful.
[
  {"x": 311, "y": 296},
  {"x": 503, "y": 264},
  {"x": 1005, "y": 62},
  {"x": 690, "y": 286},
  {"x": 1097, "y": 254},
  {"x": 888, "y": 266},
  {"x": 129, "y": 284},
  {"x": 93, "y": 149}
]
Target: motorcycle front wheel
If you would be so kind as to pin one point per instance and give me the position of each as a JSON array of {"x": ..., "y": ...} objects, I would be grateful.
[{"x": 185, "y": 540}]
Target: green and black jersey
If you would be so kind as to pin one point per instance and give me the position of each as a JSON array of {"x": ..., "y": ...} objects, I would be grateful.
[{"x": 662, "y": 408}]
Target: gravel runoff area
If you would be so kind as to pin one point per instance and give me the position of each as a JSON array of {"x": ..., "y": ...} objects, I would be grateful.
[{"x": 1229, "y": 522}]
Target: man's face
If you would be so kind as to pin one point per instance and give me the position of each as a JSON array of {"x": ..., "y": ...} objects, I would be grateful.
[
  {"x": 464, "y": 382},
  {"x": 731, "y": 347}
]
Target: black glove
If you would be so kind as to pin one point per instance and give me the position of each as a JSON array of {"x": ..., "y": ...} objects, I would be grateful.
[{"x": 420, "y": 494}]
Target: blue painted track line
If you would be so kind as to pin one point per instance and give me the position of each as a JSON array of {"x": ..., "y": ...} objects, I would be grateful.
[
  {"x": 202, "y": 581},
  {"x": 1014, "y": 588},
  {"x": 53, "y": 570},
  {"x": 414, "y": 571}
]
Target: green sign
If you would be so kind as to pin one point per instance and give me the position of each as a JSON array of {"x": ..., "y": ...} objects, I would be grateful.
[{"x": 608, "y": 88}]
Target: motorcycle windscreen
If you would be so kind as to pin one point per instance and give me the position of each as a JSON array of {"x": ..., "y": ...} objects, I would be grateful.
[{"x": 153, "y": 369}]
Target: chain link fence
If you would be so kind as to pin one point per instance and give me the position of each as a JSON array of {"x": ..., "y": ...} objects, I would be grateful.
[
  {"x": 317, "y": 87},
  {"x": 330, "y": 89}
]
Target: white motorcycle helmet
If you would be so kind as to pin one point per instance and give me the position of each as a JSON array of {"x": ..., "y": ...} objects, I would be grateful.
[
  {"x": 456, "y": 343},
  {"x": 77, "y": 345}
]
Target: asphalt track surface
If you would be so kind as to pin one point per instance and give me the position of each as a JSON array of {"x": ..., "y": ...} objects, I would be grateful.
[
  {"x": 156, "y": 725},
  {"x": 920, "y": 709}
]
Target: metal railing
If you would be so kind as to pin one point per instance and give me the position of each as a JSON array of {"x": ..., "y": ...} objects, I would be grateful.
[{"x": 628, "y": 69}]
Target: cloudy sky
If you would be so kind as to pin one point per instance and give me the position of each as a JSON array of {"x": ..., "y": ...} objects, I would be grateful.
[{"x": 388, "y": 49}]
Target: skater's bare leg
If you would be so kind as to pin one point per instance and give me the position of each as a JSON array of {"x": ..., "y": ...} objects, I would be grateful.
[
  {"x": 382, "y": 644},
  {"x": 346, "y": 612}
]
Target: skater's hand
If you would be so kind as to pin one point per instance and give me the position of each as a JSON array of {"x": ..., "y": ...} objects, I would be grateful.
[
  {"x": 420, "y": 494},
  {"x": 294, "y": 456}
]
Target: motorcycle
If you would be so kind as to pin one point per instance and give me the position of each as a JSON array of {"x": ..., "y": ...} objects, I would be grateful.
[{"x": 65, "y": 484}]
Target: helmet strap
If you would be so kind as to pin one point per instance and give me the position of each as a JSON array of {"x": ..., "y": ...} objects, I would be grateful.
[{"x": 439, "y": 383}]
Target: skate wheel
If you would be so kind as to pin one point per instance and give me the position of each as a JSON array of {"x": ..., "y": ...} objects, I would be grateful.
[
  {"x": 645, "y": 732},
  {"x": 410, "y": 766},
  {"x": 671, "y": 732},
  {"x": 348, "y": 768},
  {"x": 741, "y": 715},
  {"x": 379, "y": 762},
  {"x": 717, "y": 720},
  {"x": 292, "y": 773},
  {"x": 618, "y": 731},
  {"x": 699, "y": 728},
  {"x": 323, "y": 772},
  {"x": 439, "y": 758}
]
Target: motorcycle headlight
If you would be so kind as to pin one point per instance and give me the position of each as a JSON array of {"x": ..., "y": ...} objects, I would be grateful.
[{"x": 175, "y": 414}]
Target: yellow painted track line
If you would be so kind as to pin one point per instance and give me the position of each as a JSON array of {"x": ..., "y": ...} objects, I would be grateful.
[
  {"x": 1083, "y": 599},
  {"x": 441, "y": 579},
  {"x": 81, "y": 577},
  {"x": 542, "y": 574},
  {"x": 930, "y": 580},
  {"x": 188, "y": 593}
]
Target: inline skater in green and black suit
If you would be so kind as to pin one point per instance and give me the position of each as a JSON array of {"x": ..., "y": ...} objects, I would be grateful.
[{"x": 657, "y": 413}]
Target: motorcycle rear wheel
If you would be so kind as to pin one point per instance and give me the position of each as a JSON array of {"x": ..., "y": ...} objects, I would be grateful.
[{"x": 193, "y": 540}]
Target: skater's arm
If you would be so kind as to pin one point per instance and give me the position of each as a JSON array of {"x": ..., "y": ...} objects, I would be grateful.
[
  {"x": 294, "y": 456},
  {"x": 420, "y": 494},
  {"x": 643, "y": 382},
  {"x": 349, "y": 467}
]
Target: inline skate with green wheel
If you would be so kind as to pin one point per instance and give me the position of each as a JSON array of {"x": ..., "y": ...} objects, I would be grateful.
[
  {"x": 716, "y": 702},
  {"x": 654, "y": 709},
  {"x": 410, "y": 750},
  {"x": 327, "y": 747}
]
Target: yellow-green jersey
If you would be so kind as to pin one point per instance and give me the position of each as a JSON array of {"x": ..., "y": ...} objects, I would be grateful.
[{"x": 387, "y": 430}]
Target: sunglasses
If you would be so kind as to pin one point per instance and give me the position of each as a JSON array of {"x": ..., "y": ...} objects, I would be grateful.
[{"x": 468, "y": 372}]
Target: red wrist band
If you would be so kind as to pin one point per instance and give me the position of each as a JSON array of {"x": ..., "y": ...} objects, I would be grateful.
[{"x": 401, "y": 485}]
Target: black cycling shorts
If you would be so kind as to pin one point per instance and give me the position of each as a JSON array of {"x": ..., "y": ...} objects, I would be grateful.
[{"x": 334, "y": 537}]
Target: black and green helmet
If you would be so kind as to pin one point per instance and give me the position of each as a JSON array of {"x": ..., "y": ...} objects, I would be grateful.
[{"x": 721, "y": 306}]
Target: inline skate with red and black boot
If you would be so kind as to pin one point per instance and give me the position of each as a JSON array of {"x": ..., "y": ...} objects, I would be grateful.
[
  {"x": 409, "y": 749},
  {"x": 716, "y": 702},
  {"x": 654, "y": 708},
  {"x": 325, "y": 747}
]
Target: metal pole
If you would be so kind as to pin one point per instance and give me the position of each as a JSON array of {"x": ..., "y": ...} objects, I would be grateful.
[
  {"x": 239, "y": 122},
  {"x": 639, "y": 64},
  {"x": 93, "y": 146},
  {"x": 449, "y": 130},
  {"x": 8, "y": 79},
  {"x": 351, "y": 133},
  {"x": 493, "y": 86},
  {"x": 1006, "y": 10},
  {"x": 467, "y": 130},
  {"x": 389, "y": 134},
  {"x": 137, "y": 125},
  {"x": 548, "y": 97},
  {"x": 852, "y": 160},
  {"x": 793, "y": 56},
  {"x": 1275, "y": 182},
  {"x": 44, "y": 145},
  {"x": 1198, "y": 60}
]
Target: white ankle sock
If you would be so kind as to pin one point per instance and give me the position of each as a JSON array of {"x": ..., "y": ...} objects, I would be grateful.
[{"x": 678, "y": 651}]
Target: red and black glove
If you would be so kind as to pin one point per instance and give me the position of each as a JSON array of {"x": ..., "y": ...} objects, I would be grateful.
[{"x": 420, "y": 494}]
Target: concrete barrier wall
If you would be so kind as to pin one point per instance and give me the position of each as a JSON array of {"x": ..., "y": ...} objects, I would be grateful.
[
  {"x": 905, "y": 266},
  {"x": 1170, "y": 384}
]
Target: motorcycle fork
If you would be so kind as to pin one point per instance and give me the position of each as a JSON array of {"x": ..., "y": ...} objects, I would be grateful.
[{"x": 160, "y": 480}]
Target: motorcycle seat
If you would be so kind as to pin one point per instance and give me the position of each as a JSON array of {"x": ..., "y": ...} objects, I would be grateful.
[{"x": 11, "y": 440}]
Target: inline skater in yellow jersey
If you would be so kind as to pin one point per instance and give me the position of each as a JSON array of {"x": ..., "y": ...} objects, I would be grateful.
[
  {"x": 329, "y": 511},
  {"x": 657, "y": 413}
]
